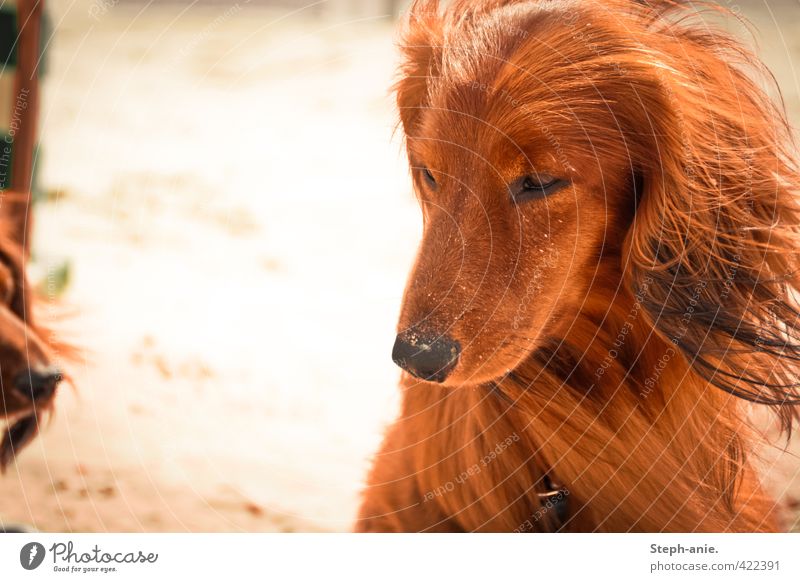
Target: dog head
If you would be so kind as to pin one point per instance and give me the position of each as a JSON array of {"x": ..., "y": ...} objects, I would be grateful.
[
  {"x": 557, "y": 144},
  {"x": 29, "y": 377}
]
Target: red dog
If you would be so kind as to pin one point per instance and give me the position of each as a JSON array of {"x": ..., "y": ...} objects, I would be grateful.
[
  {"x": 28, "y": 378},
  {"x": 607, "y": 273}
]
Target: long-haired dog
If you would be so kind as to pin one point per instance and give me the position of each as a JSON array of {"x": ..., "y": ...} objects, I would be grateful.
[
  {"x": 28, "y": 376},
  {"x": 607, "y": 276}
]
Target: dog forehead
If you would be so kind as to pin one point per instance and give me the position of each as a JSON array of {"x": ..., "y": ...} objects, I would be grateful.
[
  {"x": 497, "y": 73},
  {"x": 477, "y": 46},
  {"x": 479, "y": 120},
  {"x": 498, "y": 90}
]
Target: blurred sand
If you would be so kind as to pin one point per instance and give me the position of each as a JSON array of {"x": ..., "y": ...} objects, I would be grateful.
[{"x": 239, "y": 224}]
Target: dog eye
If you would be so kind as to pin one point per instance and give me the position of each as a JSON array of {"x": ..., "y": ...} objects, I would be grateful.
[
  {"x": 6, "y": 284},
  {"x": 535, "y": 186},
  {"x": 429, "y": 177}
]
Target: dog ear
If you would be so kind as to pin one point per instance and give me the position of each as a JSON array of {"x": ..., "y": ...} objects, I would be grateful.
[
  {"x": 712, "y": 250},
  {"x": 421, "y": 48}
]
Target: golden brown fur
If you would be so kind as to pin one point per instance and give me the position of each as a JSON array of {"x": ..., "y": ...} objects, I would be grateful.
[
  {"x": 613, "y": 333},
  {"x": 28, "y": 376}
]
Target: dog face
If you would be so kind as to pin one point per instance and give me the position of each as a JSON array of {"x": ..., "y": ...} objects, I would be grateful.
[
  {"x": 512, "y": 237},
  {"x": 26, "y": 373},
  {"x": 29, "y": 379},
  {"x": 556, "y": 146},
  {"x": 518, "y": 203}
]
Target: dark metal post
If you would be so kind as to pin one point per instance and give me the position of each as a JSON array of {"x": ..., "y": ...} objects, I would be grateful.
[{"x": 25, "y": 113}]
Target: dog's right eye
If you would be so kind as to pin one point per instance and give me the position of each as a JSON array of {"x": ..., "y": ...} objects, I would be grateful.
[
  {"x": 6, "y": 284},
  {"x": 426, "y": 173}
]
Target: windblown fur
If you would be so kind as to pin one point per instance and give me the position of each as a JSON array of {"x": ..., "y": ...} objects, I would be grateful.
[
  {"x": 616, "y": 333},
  {"x": 28, "y": 375}
]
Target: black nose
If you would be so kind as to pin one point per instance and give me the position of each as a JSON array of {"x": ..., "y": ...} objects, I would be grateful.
[
  {"x": 38, "y": 383},
  {"x": 430, "y": 358}
]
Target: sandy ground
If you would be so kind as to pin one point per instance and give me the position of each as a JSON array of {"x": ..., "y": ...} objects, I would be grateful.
[
  {"x": 239, "y": 227},
  {"x": 238, "y": 223}
]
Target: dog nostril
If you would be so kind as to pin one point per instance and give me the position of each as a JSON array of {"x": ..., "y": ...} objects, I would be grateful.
[
  {"x": 428, "y": 358},
  {"x": 38, "y": 383}
]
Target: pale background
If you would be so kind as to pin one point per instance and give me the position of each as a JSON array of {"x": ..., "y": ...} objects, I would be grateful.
[{"x": 236, "y": 215}]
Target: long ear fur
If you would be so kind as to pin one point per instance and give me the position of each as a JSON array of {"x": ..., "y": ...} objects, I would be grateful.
[
  {"x": 715, "y": 233},
  {"x": 421, "y": 47}
]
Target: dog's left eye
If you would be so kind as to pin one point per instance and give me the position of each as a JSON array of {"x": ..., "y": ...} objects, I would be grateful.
[{"x": 535, "y": 186}]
